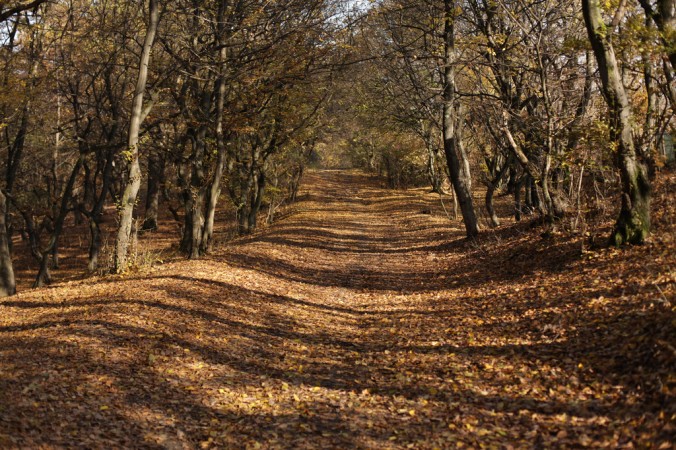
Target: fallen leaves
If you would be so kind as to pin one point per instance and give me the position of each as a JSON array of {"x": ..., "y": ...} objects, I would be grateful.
[{"x": 352, "y": 326}]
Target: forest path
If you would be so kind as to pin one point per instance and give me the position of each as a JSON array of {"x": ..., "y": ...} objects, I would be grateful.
[{"x": 355, "y": 322}]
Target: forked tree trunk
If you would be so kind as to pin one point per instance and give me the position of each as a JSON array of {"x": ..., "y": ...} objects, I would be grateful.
[
  {"x": 7, "y": 280},
  {"x": 458, "y": 165},
  {"x": 492, "y": 185},
  {"x": 633, "y": 224},
  {"x": 134, "y": 181},
  {"x": 44, "y": 276}
]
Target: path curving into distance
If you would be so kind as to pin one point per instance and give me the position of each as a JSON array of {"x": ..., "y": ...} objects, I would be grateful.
[{"x": 357, "y": 321}]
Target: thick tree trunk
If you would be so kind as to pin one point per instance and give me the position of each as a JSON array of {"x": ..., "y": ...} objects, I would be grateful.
[
  {"x": 458, "y": 165},
  {"x": 633, "y": 224},
  {"x": 134, "y": 181},
  {"x": 7, "y": 280}
]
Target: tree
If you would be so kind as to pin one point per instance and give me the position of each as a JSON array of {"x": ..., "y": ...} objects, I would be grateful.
[
  {"x": 7, "y": 281},
  {"x": 633, "y": 224},
  {"x": 138, "y": 114},
  {"x": 458, "y": 162}
]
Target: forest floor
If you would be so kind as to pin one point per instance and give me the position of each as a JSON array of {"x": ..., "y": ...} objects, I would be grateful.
[{"x": 356, "y": 321}]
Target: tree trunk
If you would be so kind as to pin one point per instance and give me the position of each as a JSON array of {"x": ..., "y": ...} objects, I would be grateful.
[
  {"x": 215, "y": 188},
  {"x": 668, "y": 13},
  {"x": 134, "y": 181},
  {"x": 155, "y": 174},
  {"x": 633, "y": 224},
  {"x": 96, "y": 215},
  {"x": 492, "y": 186},
  {"x": 94, "y": 245},
  {"x": 7, "y": 280},
  {"x": 495, "y": 221},
  {"x": 257, "y": 201},
  {"x": 517, "y": 200},
  {"x": 44, "y": 276},
  {"x": 198, "y": 194},
  {"x": 213, "y": 195},
  {"x": 458, "y": 165}
]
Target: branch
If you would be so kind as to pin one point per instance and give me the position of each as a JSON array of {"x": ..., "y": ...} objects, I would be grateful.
[{"x": 4, "y": 15}]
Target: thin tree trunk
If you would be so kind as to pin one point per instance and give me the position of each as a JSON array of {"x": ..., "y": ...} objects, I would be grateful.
[
  {"x": 455, "y": 157},
  {"x": 212, "y": 201},
  {"x": 215, "y": 188},
  {"x": 492, "y": 186},
  {"x": 517, "y": 201},
  {"x": 137, "y": 115},
  {"x": 97, "y": 215},
  {"x": 633, "y": 224},
  {"x": 257, "y": 201},
  {"x": 7, "y": 280},
  {"x": 43, "y": 276},
  {"x": 155, "y": 174}
]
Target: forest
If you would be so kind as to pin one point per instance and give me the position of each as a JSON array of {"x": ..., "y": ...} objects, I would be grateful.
[{"x": 337, "y": 224}]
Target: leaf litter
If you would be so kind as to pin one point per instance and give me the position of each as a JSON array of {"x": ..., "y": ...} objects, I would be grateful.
[{"x": 355, "y": 322}]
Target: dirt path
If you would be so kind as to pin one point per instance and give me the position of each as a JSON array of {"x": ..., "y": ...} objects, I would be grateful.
[{"x": 355, "y": 322}]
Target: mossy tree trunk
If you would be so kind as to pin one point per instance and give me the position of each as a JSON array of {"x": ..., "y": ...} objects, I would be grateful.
[{"x": 633, "y": 224}]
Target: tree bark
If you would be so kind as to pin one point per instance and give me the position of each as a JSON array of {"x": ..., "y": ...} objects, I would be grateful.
[
  {"x": 155, "y": 174},
  {"x": 215, "y": 188},
  {"x": 197, "y": 193},
  {"x": 97, "y": 215},
  {"x": 134, "y": 181},
  {"x": 257, "y": 200},
  {"x": 492, "y": 185},
  {"x": 7, "y": 280},
  {"x": 44, "y": 276},
  {"x": 633, "y": 224},
  {"x": 458, "y": 165}
]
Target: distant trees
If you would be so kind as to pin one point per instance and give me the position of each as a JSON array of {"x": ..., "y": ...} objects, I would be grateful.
[{"x": 520, "y": 78}]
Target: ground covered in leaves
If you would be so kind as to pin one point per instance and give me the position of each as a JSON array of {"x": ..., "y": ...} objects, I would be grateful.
[{"x": 358, "y": 321}]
